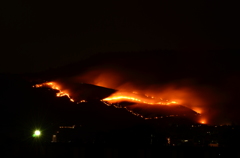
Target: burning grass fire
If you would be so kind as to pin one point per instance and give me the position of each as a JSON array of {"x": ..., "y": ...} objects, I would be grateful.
[
  {"x": 119, "y": 96},
  {"x": 55, "y": 86}
]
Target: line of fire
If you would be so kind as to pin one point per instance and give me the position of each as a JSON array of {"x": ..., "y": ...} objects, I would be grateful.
[
  {"x": 180, "y": 124},
  {"x": 117, "y": 99}
]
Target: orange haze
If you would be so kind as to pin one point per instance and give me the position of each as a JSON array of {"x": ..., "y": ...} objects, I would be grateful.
[{"x": 180, "y": 92}]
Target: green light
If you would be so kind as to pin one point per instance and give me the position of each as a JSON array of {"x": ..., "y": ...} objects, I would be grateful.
[{"x": 36, "y": 133}]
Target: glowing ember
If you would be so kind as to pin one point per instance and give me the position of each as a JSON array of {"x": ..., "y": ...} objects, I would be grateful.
[
  {"x": 146, "y": 99},
  {"x": 203, "y": 121},
  {"x": 55, "y": 86}
]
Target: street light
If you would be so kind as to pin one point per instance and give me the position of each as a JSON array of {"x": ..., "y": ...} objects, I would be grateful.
[{"x": 36, "y": 133}]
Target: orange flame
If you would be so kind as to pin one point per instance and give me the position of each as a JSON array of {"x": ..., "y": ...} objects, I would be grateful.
[
  {"x": 203, "y": 121},
  {"x": 197, "y": 109},
  {"x": 118, "y": 97},
  {"x": 148, "y": 99},
  {"x": 124, "y": 96},
  {"x": 55, "y": 86}
]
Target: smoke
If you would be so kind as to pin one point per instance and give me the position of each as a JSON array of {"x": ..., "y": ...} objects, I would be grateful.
[
  {"x": 199, "y": 86},
  {"x": 187, "y": 92}
]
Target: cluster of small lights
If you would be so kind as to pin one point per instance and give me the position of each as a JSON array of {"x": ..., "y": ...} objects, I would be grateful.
[
  {"x": 71, "y": 127},
  {"x": 160, "y": 117}
]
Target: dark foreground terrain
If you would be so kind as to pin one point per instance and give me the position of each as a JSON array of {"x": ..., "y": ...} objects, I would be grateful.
[{"x": 55, "y": 150}]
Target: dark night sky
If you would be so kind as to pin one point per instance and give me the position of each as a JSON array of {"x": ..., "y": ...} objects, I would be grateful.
[{"x": 38, "y": 35}]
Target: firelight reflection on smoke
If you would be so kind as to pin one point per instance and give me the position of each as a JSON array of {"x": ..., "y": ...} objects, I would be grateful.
[{"x": 119, "y": 96}]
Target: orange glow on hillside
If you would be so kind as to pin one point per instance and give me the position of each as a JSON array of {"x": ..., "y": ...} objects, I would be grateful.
[
  {"x": 136, "y": 97},
  {"x": 203, "y": 121},
  {"x": 118, "y": 97},
  {"x": 197, "y": 109},
  {"x": 176, "y": 98},
  {"x": 55, "y": 86},
  {"x": 137, "y": 87}
]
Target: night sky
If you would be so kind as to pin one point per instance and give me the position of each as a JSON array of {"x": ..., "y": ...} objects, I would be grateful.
[{"x": 37, "y": 36}]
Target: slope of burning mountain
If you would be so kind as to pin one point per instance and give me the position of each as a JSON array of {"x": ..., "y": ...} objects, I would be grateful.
[
  {"x": 202, "y": 81},
  {"x": 153, "y": 111},
  {"x": 77, "y": 92},
  {"x": 143, "y": 107},
  {"x": 158, "y": 112}
]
